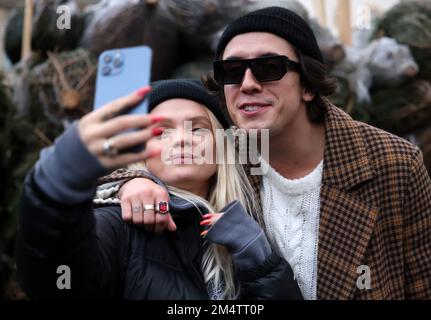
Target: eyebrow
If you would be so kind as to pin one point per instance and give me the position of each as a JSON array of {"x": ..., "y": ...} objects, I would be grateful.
[
  {"x": 166, "y": 121},
  {"x": 266, "y": 54},
  {"x": 196, "y": 119},
  {"x": 200, "y": 119}
]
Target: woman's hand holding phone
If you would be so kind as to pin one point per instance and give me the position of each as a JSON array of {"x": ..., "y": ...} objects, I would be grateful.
[{"x": 103, "y": 133}]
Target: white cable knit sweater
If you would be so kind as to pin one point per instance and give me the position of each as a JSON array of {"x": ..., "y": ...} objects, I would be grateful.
[{"x": 291, "y": 213}]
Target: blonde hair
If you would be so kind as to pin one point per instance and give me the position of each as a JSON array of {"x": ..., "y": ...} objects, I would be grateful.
[{"x": 230, "y": 184}]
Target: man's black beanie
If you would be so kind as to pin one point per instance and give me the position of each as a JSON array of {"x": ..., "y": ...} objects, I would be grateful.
[
  {"x": 279, "y": 21},
  {"x": 190, "y": 89}
]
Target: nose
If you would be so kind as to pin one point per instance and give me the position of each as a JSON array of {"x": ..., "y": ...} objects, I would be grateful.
[
  {"x": 249, "y": 83},
  {"x": 182, "y": 137}
]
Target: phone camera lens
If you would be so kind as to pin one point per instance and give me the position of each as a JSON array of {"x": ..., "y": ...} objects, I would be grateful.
[
  {"x": 106, "y": 70},
  {"x": 107, "y": 58},
  {"x": 117, "y": 62}
]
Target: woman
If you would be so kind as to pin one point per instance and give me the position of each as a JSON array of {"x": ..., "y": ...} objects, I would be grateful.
[{"x": 109, "y": 258}]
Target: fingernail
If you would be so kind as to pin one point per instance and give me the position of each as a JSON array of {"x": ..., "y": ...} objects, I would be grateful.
[
  {"x": 205, "y": 222},
  {"x": 157, "y": 131},
  {"x": 203, "y": 233},
  {"x": 156, "y": 119},
  {"x": 143, "y": 91},
  {"x": 208, "y": 215}
]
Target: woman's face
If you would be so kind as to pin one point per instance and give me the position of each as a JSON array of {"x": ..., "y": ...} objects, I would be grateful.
[{"x": 187, "y": 159}]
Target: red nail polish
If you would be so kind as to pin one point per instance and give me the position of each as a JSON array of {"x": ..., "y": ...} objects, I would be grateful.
[
  {"x": 143, "y": 91},
  {"x": 205, "y": 222},
  {"x": 157, "y": 131},
  {"x": 208, "y": 215}
]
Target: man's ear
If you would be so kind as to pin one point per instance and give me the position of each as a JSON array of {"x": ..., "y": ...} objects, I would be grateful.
[{"x": 307, "y": 95}]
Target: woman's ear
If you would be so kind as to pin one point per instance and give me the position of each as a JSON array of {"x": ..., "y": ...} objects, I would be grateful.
[{"x": 307, "y": 95}]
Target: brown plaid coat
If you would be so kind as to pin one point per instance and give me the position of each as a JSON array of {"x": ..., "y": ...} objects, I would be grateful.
[{"x": 375, "y": 211}]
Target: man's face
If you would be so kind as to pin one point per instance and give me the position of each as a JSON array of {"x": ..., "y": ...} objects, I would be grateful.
[{"x": 270, "y": 105}]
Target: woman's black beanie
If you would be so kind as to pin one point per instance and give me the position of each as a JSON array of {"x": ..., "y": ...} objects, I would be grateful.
[{"x": 190, "y": 89}]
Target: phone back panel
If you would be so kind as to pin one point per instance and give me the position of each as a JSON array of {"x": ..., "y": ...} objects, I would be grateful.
[{"x": 121, "y": 72}]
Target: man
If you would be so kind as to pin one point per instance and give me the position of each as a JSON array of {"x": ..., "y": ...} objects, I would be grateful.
[{"x": 347, "y": 205}]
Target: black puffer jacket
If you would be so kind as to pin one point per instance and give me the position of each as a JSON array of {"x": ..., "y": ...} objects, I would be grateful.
[{"x": 108, "y": 258}]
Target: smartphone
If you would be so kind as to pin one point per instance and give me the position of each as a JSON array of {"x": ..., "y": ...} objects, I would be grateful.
[{"x": 121, "y": 72}]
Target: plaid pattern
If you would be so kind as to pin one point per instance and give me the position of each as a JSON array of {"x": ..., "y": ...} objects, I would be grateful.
[
  {"x": 121, "y": 174},
  {"x": 375, "y": 211}
]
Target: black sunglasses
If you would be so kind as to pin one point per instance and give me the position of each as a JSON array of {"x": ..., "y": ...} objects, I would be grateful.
[{"x": 264, "y": 69}]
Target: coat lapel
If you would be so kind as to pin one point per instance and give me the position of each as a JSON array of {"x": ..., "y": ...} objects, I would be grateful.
[
  {"x": 346, "y": 222},
  {"x": 345, "y": 227}
]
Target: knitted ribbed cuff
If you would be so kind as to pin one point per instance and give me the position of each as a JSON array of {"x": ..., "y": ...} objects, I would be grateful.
[{"x": 242, "y": 236}]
